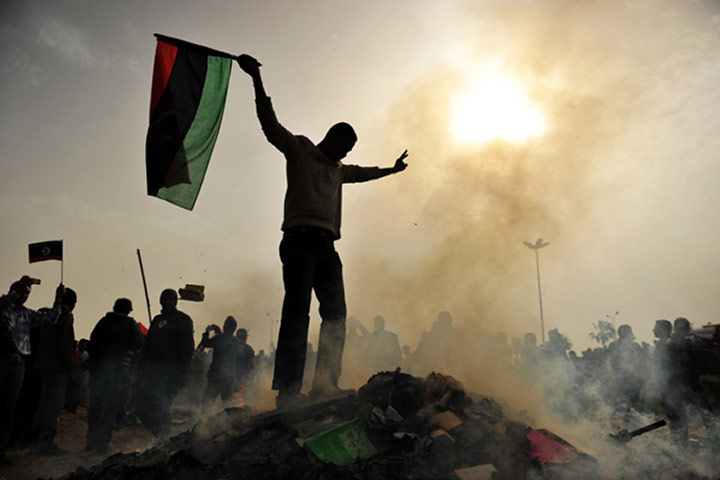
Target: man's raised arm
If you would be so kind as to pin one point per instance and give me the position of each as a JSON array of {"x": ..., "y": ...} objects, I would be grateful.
[
  {"x": 356, "y": 174},
  {"x": 251, "y": 66},
  {"x": 275, "y": 133}
]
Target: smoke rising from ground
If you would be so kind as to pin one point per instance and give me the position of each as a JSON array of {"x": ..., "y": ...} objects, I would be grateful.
[
  {"x": 610, "y": 78},
  {"x": 595, "y": 69}
]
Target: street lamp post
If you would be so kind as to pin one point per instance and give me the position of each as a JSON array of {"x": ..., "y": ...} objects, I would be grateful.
[{"x": 537, "y": 246}]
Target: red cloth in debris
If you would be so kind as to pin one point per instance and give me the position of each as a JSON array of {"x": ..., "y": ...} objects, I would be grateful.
[{"x": 547, "y": 450}]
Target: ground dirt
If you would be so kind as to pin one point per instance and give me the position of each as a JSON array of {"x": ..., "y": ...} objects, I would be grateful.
[{"x": 71, "y": 436}]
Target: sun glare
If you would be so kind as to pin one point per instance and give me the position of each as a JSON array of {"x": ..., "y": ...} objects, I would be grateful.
[{"x": 495, "y": 105}]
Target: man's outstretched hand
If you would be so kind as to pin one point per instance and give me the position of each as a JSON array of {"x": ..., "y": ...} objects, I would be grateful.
[
  {"x": 249, "y": 65},
  {"x": 400, "y": 165}
]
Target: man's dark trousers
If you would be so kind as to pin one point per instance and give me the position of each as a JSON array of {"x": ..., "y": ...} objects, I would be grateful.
[
  {"x": 310, "y": 262},
  {"x": 52, "y": 400},
  {"x": 107, "y": 383},
  {"x": 11, "y": 380}
]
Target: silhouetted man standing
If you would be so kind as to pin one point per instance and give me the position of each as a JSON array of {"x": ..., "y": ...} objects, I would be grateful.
[
  {"x": 629, "y": 369},
  {"x": 221, "y": 374},
  {"x": 311, "y": 225},
  {"x": 17, "y": 321},
  {"x": 682, "y": 391},
  {"x": 244, "y": 359},
  {"x": 164, "y": 360},
  {"x": 113, "y": 343},
  {"x": 55, "y": 361},
  {"x": 383, "y": 347},
  {"x": 10, "y": 382}
]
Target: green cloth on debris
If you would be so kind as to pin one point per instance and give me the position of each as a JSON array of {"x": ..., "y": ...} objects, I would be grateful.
[{"x": 341, "y": 445}]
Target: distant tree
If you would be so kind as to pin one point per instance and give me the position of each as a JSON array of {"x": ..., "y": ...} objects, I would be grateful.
[{"x": 604, "y": 332}]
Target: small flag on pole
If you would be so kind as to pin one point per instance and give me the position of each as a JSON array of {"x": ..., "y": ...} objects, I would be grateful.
[
  {"x": 189, "y": 87},
  {"x": 143, "y": 329},
  {"x": 51, "y": 250}
]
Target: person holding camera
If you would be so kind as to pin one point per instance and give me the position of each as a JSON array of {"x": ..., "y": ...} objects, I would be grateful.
[
  {"x": 10, "y": 381},
  {"x": 17, "y": 321},
  {"x": 221, "y": 375}
]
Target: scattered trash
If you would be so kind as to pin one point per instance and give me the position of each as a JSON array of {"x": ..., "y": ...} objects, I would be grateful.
[
  {"x": 396, "y": 426},
  {"x": 341, "y": 445},
  {"x": 546, "y": 449},
  {"x": 192, "y": 293},
  {"x": 623, "y": 436}
]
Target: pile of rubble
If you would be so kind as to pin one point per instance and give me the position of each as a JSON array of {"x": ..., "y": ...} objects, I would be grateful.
[{"x": 396, "y": 426}]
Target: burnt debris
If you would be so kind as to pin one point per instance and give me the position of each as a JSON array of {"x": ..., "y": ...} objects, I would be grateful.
[{"x": 417, "y": 428}]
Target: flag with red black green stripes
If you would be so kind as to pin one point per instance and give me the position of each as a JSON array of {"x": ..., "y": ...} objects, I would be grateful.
[{"x": 189, "y": 87}]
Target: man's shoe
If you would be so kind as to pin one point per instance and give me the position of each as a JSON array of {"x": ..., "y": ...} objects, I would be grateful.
[
  {"x": 330, "y": 392},
  {"x": 50, "y": 449},
  {"x": 286, "y": 400}
]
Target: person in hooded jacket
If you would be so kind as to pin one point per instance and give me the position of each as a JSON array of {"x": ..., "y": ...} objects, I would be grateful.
[{"x": 113, "y": 343}]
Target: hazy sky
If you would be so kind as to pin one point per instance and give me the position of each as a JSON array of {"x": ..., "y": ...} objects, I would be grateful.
[{"x": 622, "y": 183}]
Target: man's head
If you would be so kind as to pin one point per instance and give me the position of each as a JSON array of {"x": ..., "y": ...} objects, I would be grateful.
[
  {"x": 444, "y": 319},
  {"x": 68, "y": 299},
  {"x": 242, "y": 335},
  {"x": 530, "y": 340},
  {"x": 23, "y": 290},
  {"x": 338, "y": 141},
  {"x": 662, "y": 329},
  {"x": 122, "y": 305},
  {"x": 379, "y": 322},
  {"x": 554, "y": 335},
  {"x": 168, "y": 299},
  {"x": 230, "y": 325},
  {"x": 625, "y": 332},
  {"x": 681, "y": 326}
]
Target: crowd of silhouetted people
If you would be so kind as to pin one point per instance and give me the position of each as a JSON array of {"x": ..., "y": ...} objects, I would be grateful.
[{"x": 125, "y": 373}]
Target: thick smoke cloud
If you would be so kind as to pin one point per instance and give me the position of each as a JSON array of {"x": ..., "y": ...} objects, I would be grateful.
[
  {"x": 621, "y": 85},
  {"x": 599, "y": 71}
]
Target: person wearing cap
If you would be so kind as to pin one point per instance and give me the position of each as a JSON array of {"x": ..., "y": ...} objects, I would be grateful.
[
  {"x": 113, "y": 343},
  {"x": 221, "y": 374},
  {"x": 315, "y": 175}
]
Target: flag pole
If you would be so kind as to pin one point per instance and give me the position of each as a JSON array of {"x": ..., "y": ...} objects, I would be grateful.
[
  {"x": 147, "y": 298},
  {"x": 194, "y": 46},
  {"x": 62, "y": 265}
]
